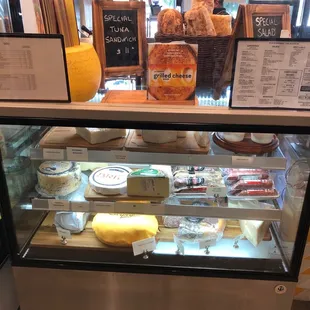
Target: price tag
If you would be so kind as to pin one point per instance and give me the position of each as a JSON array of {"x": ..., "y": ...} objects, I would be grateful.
[
  {"x": 119, "y": 156},
  {"x": 56, "y": 154},
  {"x": 103, "y": 207},
  {"x": 77, "y": 153},
  {"x": 242, "y": 161},
  {"x": 154, "y": 209},
  {"x": 58, "y": 205},
  {"x": 148, "y": 245},
  {"x": 207, "y": 242},
  {"x": 82, "y": 206},
  {"x": 129, "y": 207},
  {"x": 63, "y": 233},
  {"x": 220, "y": 191}
]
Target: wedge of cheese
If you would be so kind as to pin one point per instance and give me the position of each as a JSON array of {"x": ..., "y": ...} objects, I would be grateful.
[
  {"x": 202, "y": 138},
  {"x": 148, "y": 182},
  {"x": 100, "y": 135},
  {"x": 253, "y": 230},
  {"x": 159, "y": 136}
]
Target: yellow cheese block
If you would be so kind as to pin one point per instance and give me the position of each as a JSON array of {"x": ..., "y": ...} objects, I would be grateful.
[
  {"x": 84, "y": 71},
  {"x": 121, "y": 230}
]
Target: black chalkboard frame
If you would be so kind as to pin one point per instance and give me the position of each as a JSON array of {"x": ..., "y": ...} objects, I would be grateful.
[
  {"x": 267, "y": 10},
  {"x": 99, "y": 41}
]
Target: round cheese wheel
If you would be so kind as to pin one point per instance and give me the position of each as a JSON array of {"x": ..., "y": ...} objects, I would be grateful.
[
  {"x": 59, "y": 178},
  {"x": 121, "y": 230},
  {"x": 110, "y": 180}
]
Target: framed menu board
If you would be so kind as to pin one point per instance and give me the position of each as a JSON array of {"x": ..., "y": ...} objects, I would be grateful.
[
  {"x": 271, "y": 74},
  {"x": 119, "y": 36}
]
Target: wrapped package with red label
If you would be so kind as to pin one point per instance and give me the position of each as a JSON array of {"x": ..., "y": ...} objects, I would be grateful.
[
  {"x": 245, "y": 174},
  {"x": 258, "y": 192},
  {"x": 252, "y": 184}
]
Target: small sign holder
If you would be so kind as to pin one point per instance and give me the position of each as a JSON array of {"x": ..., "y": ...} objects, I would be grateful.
[{"x": 119, "y": 37}]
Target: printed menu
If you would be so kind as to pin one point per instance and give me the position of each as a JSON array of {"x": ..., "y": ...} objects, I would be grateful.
[
  {"x": 272, "y": 74},
  {"x": 32, "y": 68}
]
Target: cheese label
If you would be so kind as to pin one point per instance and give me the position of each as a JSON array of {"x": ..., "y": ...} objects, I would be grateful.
[
  {"x": 110, "y": 176},
  {"x": 58, "y": 205},
  {"x": 77, "y": 153},
  {"x": 55, "y": 154},
  {"x": 63, "y": 233},
  {"x": 82, "y": 206},
  {"x": 144, "y": 246},
  {"x": 148, "y": 173}
]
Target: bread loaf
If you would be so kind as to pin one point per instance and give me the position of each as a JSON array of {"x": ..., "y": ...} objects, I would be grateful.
[
  {"x": 222, "y": 24},
  {"x": 209, "y": 4},
  {"x": 170, "y": 21},
  {"x": 198, "y": 22}
]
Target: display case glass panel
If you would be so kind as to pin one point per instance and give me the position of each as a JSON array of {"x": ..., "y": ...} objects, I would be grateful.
[{"x": 196, "y": 199}]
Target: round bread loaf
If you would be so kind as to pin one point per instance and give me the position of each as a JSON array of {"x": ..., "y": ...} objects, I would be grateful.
[
  {"x": 170, "y": 21},
  {"x": 121, "y": 230}
]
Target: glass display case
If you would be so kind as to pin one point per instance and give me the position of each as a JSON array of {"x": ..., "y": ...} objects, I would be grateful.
[{"x": 214, "y": 196}]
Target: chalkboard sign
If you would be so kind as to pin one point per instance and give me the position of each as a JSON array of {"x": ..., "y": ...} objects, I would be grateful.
[
  {"x": 265, "y": 27},
  {"x": 121, "y": 38},
  {"x": 265, "y": 21}
]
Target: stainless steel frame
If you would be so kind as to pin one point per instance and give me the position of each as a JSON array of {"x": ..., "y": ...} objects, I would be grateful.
[{"x": 51, "y": 289}]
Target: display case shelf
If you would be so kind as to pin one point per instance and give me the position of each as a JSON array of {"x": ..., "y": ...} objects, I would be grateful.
[
  {"x": 153, "y": 209},
  {"x": 224, "y": 161}
]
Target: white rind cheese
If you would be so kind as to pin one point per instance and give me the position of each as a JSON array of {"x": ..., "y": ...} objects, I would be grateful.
[
  {"x": 59, "y": 178},
  {"x": 254, "y": 230},
  {"x": 148, "y": 183},
  {"x": 100, "y": 135},
  {"x": 159, "y": 136},
  {"x": 202, "y": 138},
  {"x": 110, "y": 180}
]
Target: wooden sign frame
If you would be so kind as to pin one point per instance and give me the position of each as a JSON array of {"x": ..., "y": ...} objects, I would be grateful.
[
  {"x": 266, "y": 10},
  {"x": 98, "y": 29},
  {"x": 243, "y": 28}
]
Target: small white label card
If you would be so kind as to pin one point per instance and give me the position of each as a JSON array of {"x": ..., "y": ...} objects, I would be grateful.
[
  {"x": 220, "y": 191},
  {"x": 80, "y": 206},
  {"x": 77, "y": 153},
  {"x": 129, "y": 207},
  {"x": 58, "y": 205},
  {"x": 32, "y": 68},
  {"x": 102, "y": 207},
  {"x": 119, "y": 156},
  {"x": 142, "y": 246},
  {"x": 179, "y": 244},
  {"x": 63, "y": 233},
  {"x": 154, "y": 209},
  {"x": 209, "y": 241},
  {"x": 55, "y": 154},
  {"x": 242, "y": 161}
]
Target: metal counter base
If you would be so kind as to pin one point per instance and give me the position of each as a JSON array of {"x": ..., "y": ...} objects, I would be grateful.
[{"x": 50, "y": 289}]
